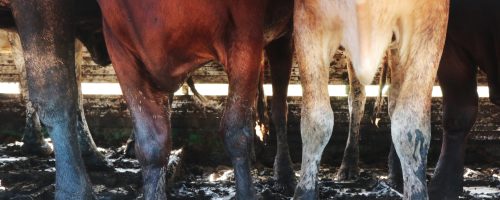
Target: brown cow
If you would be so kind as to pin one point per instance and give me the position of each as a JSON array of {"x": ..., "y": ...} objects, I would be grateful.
[
  {"x": 365, "y": 28},
  {"x": 466, "y": 49},
  {"x": 154, "y": 45}
]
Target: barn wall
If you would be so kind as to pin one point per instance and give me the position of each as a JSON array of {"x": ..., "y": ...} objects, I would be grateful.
[{"x": 197, "y": 128}]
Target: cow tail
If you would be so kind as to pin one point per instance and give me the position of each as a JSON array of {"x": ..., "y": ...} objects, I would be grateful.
[
  {"x": 200, "y": 99},
  {"x": 262, "y": 110},
  {"x": 379, "y": 102}
]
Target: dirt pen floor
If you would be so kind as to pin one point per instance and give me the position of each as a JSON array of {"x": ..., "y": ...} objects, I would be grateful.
[{"x": 33, "y": 178}]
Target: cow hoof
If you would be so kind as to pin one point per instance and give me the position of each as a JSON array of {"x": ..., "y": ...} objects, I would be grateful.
[
  {"x": 395, "y": 184},
  {"x": 97, "y": 163},
  {"x": 440, "y": 196},
  {"x": 306, "y": 194},
  {"x": 269, "y": 195},
  {"x": 66, "y": 193},
  {"x": 348, "y": 173},
  {"x": 444, "y": 193},
  {"x": 42, "y": 150},
  {"x": 285, "y": 187},
  {"x": 435, "y": 195},
  {"x": 285, "y": 181},
  {"x": 89, "y": 196}
]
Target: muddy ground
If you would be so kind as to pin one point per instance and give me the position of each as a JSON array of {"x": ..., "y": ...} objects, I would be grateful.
[{"x": 23, "y": 177}]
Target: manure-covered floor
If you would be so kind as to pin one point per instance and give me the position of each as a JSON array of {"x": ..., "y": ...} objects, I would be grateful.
[{"x": 23, "y": 177}]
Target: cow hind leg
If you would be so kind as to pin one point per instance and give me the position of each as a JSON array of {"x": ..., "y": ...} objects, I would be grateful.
[
  {"x": 410, "y": 130},
  {"x": 349, "y": 168},
  {"x": 410, "y": 95},
  {"x": 33, "y": 140},
  {"x": 314, "y": 47},
  {"x": 457, "y": 77},
  {"x": 50, "y": 66},
  {"x": 280, "y": 59}
]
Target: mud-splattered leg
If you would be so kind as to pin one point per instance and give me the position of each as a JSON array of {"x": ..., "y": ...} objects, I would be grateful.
[
  {"x": 410, "y": 128},
  {"x": 33, "y": 140},
  {"x": 349, "y": 169},
  {"x": 457, "y": 77},
  {"x": 410, "y": 95},
  {"x": 49, "y": 57},
  {"x": 150, "y": 112},
  {"x": 314, "y": 47},
  {"x": 33, "y": 136},
  {"x": 395, "y": 176},
  {"x": 279, "y": 54},
  {"x": 237, "y": 125}
]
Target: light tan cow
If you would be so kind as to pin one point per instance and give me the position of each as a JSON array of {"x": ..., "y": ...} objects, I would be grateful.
[{"x": 364, "y": 28}]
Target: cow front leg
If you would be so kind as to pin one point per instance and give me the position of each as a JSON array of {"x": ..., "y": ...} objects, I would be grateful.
[
  {"x": 150, "y": 113},
  {"x": 153, "y": 143},
  {"x": 238, "y": 135},
  {"x": 47, "y": 36},
  {"x": 314, "y": 47},
  {"x": 349, "y": 169},
  {"x": 457, "y": 77},
  {"x": 33, "y": 140},
  {"x": 237, "y": 125}
]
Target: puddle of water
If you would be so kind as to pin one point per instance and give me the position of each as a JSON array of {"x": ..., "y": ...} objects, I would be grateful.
[
  {"x": 174, "y": 156},
  {"x": 226, "y": 175},
  {"x": 130, "y": 160},
  {"x": 52, "y": 169},
  {"x": 483, "y": 192},
  {"x": 470, "y": 173},
  {"x": 16, "y": 143},
  {"x": 12, "y": 159},
  {"x": 1, "y": 187},
  {"x": 496, "y": 176},
  {"x": 123, "y": 170}
]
